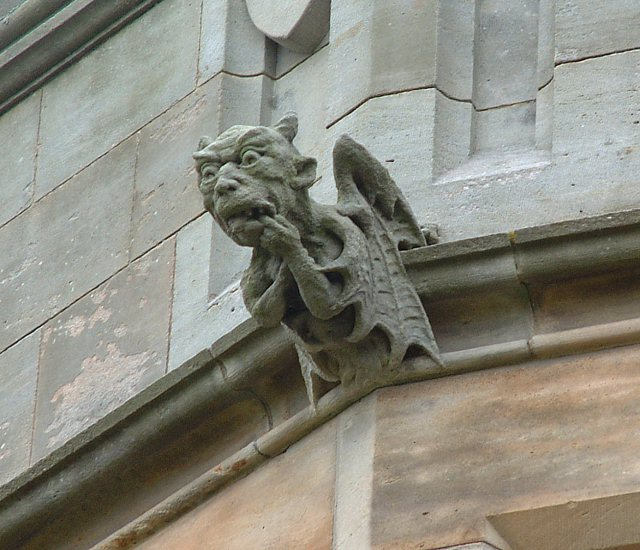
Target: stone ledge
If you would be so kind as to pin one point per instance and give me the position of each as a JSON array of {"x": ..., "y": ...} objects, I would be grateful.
[
  {"x": 127, "y": 452},
  {"x": 40, "y": 38}
]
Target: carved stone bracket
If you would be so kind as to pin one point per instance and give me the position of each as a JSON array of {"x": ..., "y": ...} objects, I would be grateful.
[
  {"x": 331, "y": 274},
  {"x": 299, "y": 25}
]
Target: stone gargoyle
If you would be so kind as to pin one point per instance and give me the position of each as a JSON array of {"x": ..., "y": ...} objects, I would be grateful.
[{"x": 332, "y": 274}]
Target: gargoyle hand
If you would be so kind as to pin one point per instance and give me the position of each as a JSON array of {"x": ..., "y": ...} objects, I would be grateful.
[{"x": 280, "y": 237}]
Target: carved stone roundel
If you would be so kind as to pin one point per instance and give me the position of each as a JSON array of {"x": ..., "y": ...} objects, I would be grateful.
[{"x": 299, "y": 25}]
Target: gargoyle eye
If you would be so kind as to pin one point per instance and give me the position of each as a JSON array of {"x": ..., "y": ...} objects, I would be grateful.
[
  {"x": 209, "y": 170},
  {"x": 250, "y": 157}
]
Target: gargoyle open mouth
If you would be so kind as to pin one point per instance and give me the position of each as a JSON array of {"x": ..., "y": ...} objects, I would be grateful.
[
  {"x": 241, "y": 221},
  {"x": 249, "y": 214}
]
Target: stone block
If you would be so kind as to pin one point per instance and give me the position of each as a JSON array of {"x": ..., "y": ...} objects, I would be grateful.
[
  {"x": 544, "y": 117},
  {"x": 546, "y": 41},
  {"x": 206, "y": 261},
  {"x": 17, "y": 162},
  {"x": 18, "y": 375},
  {"x": 354, "y": 475},
  {"x": 566, "y": 305},
  {"x": 451, "y": 452},
  {"x": 452, "y": 134},
  {"x": 609, "y": 523},
  {"x": 456, "y": 31},
  {"x": 304, "y": 91},
  {"x": 505, "y": 52},
  {"x": 166, "y": 194},
  {"x": 286, "y": 503},
  {"x": 585, "y": 29},
  {"x": 66, "y": 244},
  {"x": 369, "y": 45},
  {"x": 116, "y": 89},
  {"x": 287, "y": 60},
  {"x": 503, "y": 128},
  {"x": 480, "y": 319},
  {"x": 230, "y": 42},
  {"x": 104, "y": 349}
]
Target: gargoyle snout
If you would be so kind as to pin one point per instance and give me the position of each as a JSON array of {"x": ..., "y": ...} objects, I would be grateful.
[{"x": 226, "y": 185}]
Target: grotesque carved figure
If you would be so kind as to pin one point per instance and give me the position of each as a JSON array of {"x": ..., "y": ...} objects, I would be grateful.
[{"x": 331, "y": 274}]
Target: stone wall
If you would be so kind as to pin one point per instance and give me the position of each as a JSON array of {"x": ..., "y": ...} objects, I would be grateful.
[
  {"x": 110, "y": 273},
  {"x": 450, "y": 462}
]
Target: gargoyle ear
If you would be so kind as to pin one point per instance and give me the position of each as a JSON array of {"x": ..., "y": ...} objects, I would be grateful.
[
  {"x": 205, "y": 141},
  {"x": 306, "y": 172},
  {"x": 287, "y": 126}
]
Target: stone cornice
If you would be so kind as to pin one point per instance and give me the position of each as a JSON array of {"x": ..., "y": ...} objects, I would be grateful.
[
  {"x": 40, "y": 38},
  {"x": 64, "y": 494}
]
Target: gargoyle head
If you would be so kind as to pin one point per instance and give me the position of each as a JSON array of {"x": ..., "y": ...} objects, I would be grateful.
[{"x": 249, "y": 172}]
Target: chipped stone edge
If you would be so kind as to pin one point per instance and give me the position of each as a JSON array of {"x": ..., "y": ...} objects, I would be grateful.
[
  {"x": 30, "y": 494},
  {"x": 41, "y": 38}
]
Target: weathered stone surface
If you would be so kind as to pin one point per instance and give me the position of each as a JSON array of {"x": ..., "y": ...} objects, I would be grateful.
[
  {"x": 207, "y": 302},
  {"x": 294, "y": 508},
  {"x": 585, "y": 28},
  {"x": 450, "y": 452},
  {"x": 456, "y": 28},
  {"x": 18, "y": 375},
  {"x": 66, "y": 244},
  {"x": 287, "y": 60},
  {"x": 20, "y": 126},
  {"x": 451, "y": 134},
  {"x": 116, "y": 89},
  {"x": 299, "y": 25},
  {"x": 609, "y": 523},
  {"x": 104, "y": 349},
  {"x": 565, "y": 305},
  {"x": 304, "y": 91},
  {"x": 354, "y": 476},
  {"x": 505, "y": 52},
  {"x": 503, "y": 128},
  {"x": 592, "y": 171},
  {"x": 166, "y": 196},
  {"x": 369, "y": 45},
  {"x": 230, "y": 42}
]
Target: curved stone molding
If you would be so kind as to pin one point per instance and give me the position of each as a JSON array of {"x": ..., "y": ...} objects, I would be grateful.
[
  {"x": 71, "y": 493},
  {"x": 299, "y": 25},
  {"x": 43, "y": 37}
]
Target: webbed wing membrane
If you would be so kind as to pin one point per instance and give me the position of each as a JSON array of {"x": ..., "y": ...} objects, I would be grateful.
[
  {"x": 368, "y": 195},
  {"x": 362, "y": 181}
]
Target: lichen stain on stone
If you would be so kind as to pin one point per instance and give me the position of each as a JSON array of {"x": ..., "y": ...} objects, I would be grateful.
[
  {"x": 141, "y": 268},
  {"x": 101, "y": 315},
  {"x": 75, "y": 326},
  {"x": 101, "y": 385},
  {"x": 46, "y": 335},
  {"x": 99, "y": 296}
]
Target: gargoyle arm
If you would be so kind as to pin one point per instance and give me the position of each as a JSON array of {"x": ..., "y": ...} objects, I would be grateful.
[
  {"x": 266, "y": 299},
  {"x": 320, "y": 295}
]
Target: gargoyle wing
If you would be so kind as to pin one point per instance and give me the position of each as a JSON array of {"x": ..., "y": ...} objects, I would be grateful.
[
  {"x": 363, "y": 182},
  {"x": 370, "y": 198}
]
